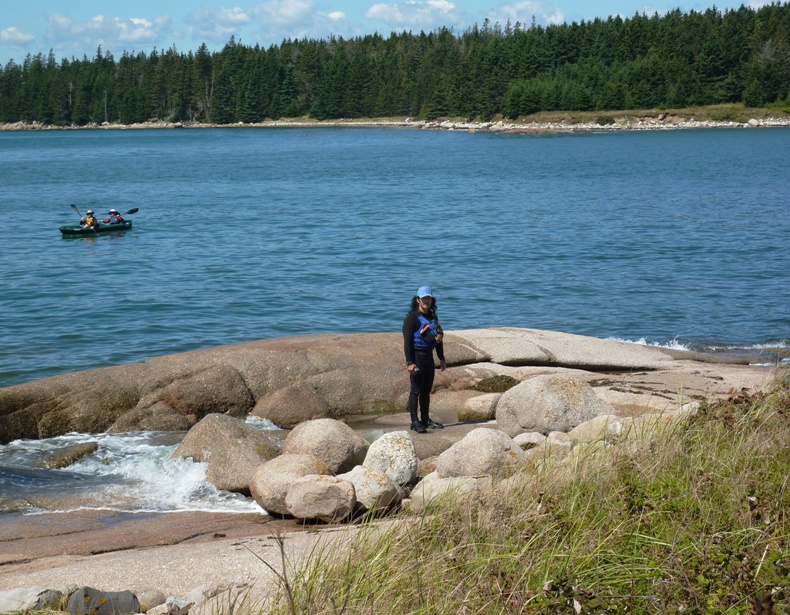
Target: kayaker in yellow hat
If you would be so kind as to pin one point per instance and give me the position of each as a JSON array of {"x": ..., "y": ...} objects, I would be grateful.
[{"x": 89, "y": 219}]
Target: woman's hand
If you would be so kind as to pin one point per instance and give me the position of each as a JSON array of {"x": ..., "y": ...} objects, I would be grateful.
[
  {"x": 442, "y": 364},
  {"x": 411, "y": 367}
]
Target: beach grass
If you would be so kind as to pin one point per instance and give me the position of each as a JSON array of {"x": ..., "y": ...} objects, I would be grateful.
[{"x": 689, "y": 518}]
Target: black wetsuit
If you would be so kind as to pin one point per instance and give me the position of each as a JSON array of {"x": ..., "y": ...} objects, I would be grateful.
[{"x": 422, "y": 377}]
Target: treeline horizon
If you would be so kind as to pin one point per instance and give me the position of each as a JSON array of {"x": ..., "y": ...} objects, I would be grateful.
[{"x": 643, "y": 62}]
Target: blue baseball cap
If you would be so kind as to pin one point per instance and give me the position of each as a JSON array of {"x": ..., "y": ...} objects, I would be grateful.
[{"x": 424, "y": 291}]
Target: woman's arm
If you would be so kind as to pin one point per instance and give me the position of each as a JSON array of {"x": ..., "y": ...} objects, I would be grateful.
[{"x": 410, "y": 324}]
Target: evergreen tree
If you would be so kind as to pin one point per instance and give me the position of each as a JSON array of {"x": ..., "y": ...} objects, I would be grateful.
[
  {"x": 711, "y": 69},
  {"x": 769, "y": 71},
  {"x": 223, "y": 103},
  {"x": 202, "y": 83},
  {"x": 286, "y": 96}
]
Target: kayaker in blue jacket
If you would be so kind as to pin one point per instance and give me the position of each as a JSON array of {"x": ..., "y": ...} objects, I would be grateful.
[
  {"x": 115, "y": 217},
  {"x": 422, "y": 333}
]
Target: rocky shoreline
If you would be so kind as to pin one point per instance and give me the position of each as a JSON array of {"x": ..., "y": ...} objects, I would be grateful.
[
  {"x": 606, "y": 122},
  {"x": 293, "y": 379},
  {"x": 569, "y": 395}
]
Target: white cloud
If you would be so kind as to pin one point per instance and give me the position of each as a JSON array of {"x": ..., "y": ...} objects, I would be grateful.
[
  {"x": 217, "y": 26},
  {"x": 388, "y": 13},
  {"x": 417, "y": 14},
  {"x": 650, "y": 11},
  {"x": 15, "y": 36},
  {"x": 285, "y": 12},
  {"x": 522, "y": 12},
  {"x": 233, "y": 16},
  {"x": 137, "y": 30},
  {"x": 282, "y": 19},
  {"x": 111, "y": 33}
]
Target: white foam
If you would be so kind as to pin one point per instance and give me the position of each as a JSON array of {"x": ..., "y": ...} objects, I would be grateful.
[
  {"x": 783, "y": 345},
  {"x": 131, "y": 472},
  {"x": 260, "y": 423},
  {"x": 673, "y": 344}
]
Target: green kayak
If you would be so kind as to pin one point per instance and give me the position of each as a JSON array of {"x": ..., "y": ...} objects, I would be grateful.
[{"x": 98, "y": 230}]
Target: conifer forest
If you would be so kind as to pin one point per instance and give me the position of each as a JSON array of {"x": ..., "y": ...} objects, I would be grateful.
[{"x": 665, "y": 61}]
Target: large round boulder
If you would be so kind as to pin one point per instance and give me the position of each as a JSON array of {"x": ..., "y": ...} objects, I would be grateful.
[
  {"x": 317, "y": 496},
  {"x": 201, "y": 392},
  {"x": 433, "y": 490},
  {"x": 329, "y": 375},
  {"x": 231, "y": 448},
  {"x": 374, "y": 489},
  {"x": 479, "y": 408},
  {"x": 91, "y": 601},
  {"x": 393, "y": 455},
  {"x": 482, "y": 451},
  {"x": 330, "y": 440},
  {"x": 548, "y": 403},
  {"x": 271, "y": 481}
]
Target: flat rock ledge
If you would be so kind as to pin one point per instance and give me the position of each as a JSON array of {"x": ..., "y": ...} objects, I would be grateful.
[{"x": 294, "y": 379}]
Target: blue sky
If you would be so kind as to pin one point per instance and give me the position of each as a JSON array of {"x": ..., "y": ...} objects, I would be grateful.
[{"x": 78, "y": 27}]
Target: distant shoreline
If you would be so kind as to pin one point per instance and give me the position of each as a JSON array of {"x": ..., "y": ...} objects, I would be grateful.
[{"x": 606, "y": 122}]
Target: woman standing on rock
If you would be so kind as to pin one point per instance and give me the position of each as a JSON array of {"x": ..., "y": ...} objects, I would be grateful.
[{"x": 421, "y": 334}]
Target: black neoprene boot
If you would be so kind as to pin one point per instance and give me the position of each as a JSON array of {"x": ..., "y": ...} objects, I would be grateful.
[{"x": 418, "y": 427}]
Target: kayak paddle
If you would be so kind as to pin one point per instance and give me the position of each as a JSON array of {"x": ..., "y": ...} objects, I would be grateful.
[{"x": 134, "y": 210}]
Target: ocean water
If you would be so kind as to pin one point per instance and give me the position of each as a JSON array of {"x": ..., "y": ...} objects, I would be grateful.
[
  {"x": 676, "y": 238},
  {"x": 128, "y": 472},
  {"x": 668, "y": 237}
]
